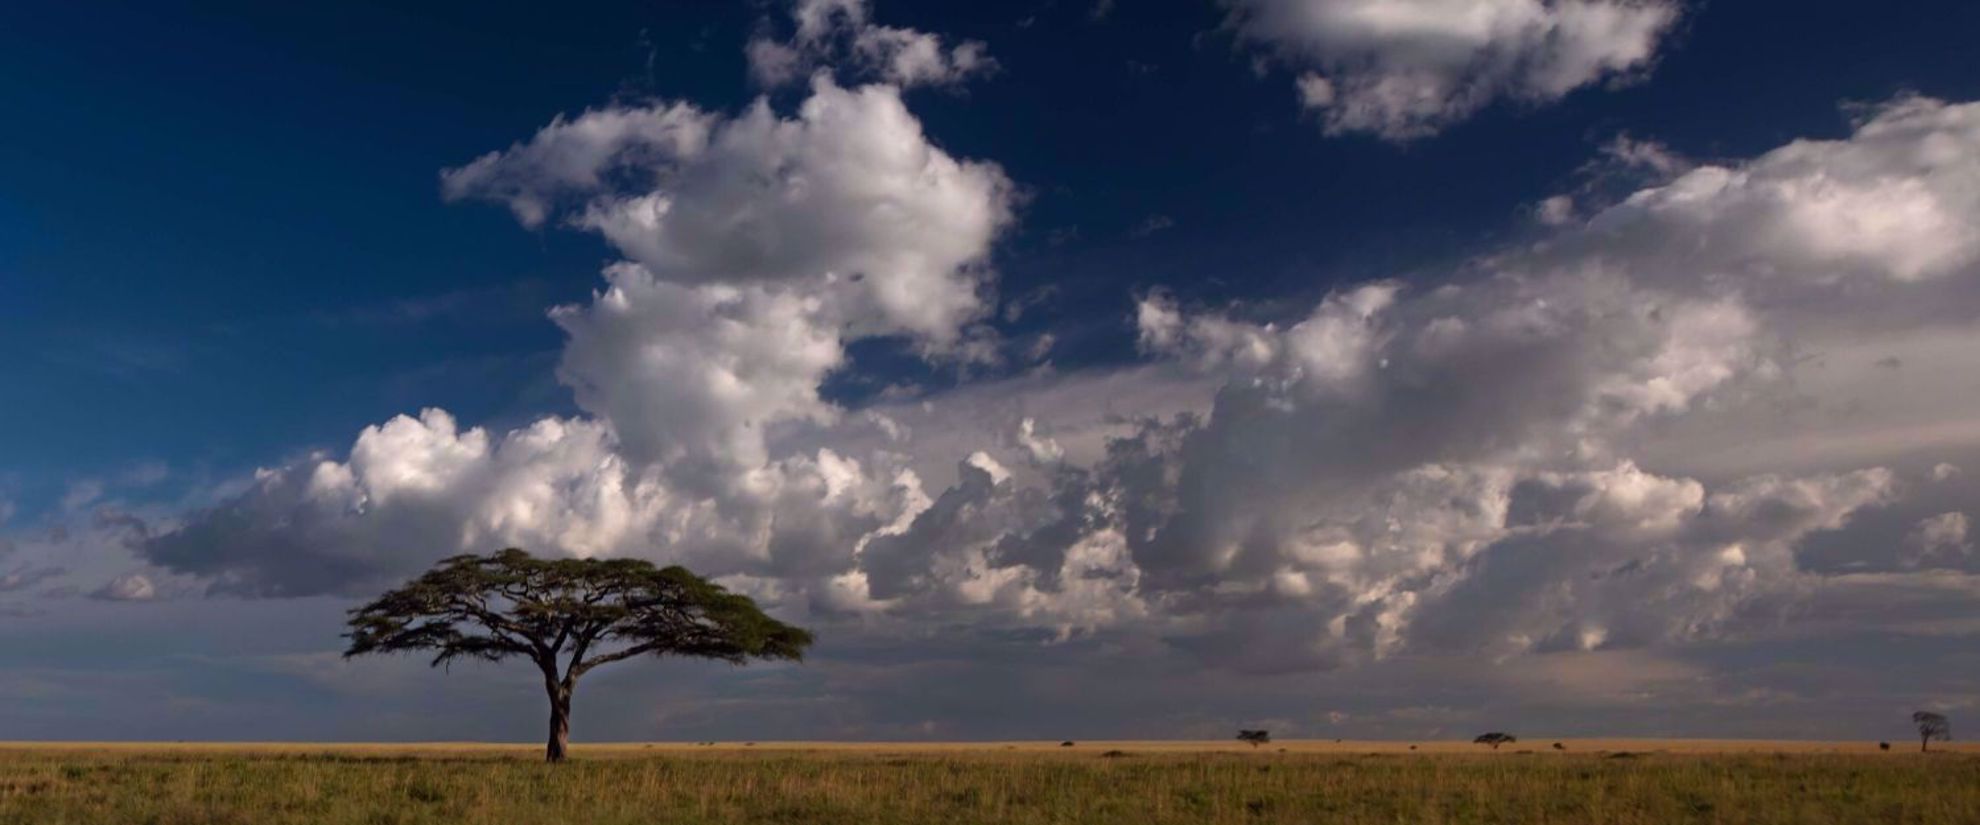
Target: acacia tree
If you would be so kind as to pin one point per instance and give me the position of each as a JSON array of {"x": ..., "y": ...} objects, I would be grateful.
[
  {"x": 1931, "y": 726},
  {"x": 568, "y": 616},
  {"x": 1255, "y": 737},
  {"x": 1495, "y": 739}
]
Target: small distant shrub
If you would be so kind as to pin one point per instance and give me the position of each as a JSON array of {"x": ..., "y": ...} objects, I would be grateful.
[
  {"x": 1066, "y": 744},
  {"x": 1113, "y": 754}
]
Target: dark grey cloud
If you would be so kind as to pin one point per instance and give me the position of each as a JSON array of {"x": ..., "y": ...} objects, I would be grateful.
[{"x": 25, "y": 577}]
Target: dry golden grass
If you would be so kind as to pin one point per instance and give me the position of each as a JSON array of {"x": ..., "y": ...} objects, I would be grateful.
[
  {"x": 1314, "y": 746},
  {"x": 1659, "y": 781}
]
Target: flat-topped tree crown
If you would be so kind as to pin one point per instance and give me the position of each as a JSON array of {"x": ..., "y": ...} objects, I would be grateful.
[{"x": 568, "y": 616}]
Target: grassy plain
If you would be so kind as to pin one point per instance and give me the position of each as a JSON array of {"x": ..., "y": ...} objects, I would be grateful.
[{"x": 1591, "y": 781}]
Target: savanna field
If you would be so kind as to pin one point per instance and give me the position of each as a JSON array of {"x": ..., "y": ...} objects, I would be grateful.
[{"x": 1589, "y": 782}]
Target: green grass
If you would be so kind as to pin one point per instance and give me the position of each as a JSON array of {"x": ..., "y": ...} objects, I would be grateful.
[{"x": 161, "y": 786}]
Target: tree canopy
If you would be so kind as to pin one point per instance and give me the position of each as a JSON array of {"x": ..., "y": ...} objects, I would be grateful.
[
  {"x": 1931, "y": 726},
  {"x": 568, "y": 616}
]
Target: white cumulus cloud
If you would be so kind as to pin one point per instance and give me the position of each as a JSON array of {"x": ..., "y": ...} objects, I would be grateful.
[
  {"x": 842, "y": 34},
  {"x": 1403, "y": 69},
  {"x": 1478, "y": 464}
]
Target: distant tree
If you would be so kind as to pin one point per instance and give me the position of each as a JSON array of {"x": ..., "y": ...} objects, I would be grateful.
[
  {"x": 1931, "y": 726},
  {"x": 1495, "y": 739},
  {"x": 1255, "y": 737},
  {"x": 1559, "y": 747},
  {"x": 1883, "y": 746},
  {"x": 568, "y": 616}
]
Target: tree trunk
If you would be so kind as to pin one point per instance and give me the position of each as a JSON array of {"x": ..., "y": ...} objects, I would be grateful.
[
  {"x": 1924, "y": 743},
  {"x": 560, "y": 725}
]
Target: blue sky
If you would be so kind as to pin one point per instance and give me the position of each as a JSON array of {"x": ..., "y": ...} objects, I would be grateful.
[{"x": 225, "y": 247}]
